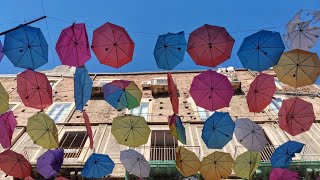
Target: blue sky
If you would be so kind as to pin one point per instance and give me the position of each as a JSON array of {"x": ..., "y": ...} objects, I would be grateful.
[{"x": 146, "y": 19}]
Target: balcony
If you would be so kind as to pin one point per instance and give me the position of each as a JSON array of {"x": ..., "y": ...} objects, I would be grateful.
[{"x": 159, "y": 86}]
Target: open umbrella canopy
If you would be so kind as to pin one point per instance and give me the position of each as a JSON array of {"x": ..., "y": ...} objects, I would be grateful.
[
  {"x": 28, "y": 178},
  {"x": 112, "y": 45},
  {"x": 187, "y": 161},
  {"x": 14, "y": 164},
  {"x": 173, "y": 93},
  {"x": 282, "y": 156},
  {"x": 210, "y": 45},
  {"x": 211, "y": 90},
  {"x": 97, "y": 166},
  {"x": 296, "y": 116},
  {"x": 26, "y": 47},
  {"x": 82, "y": 87},
  {"x": 129, "y": 130},
  {"x": 177, "y": 129},
  {"x": 217, "y": 130},
  {"x": 88, "y": 127},
  {"x": 122, "y": 94},
  {"x": 216, "y": 166},
  {"x": 1, "y": 51},
  {"x": 43, "y": 131},
  {"x": 246, "y": 164},
  {"x": 298, "y": 68},
  {"x": 50, "y": 162},
  {"x": 170, "y": 49},
  {"x": 135, "y": 163},
  {"x": 34, "y": 89},
  {"x": 4, "y": 100},
  {"x": 283, "y": 174},
  {"x": 260, "y": 51},
  {"x": 8, "y": 124}
]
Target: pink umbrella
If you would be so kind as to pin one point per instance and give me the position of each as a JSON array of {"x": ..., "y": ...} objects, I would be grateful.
[
  {"x": 211, "y": 90},
  {"x": 73, "y": 46},
  {"x": 28, "y": 178},
  {"x": 173, "y": 93},
  {"x": 88, "y": 126},
  {"x": 283, "y": 174},
  {"x": 7, "y": 125},
  {"x": 1, "y": 51}
]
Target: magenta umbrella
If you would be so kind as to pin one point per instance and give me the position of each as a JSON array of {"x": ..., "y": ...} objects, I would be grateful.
[
  {"x": 211, "y": 90},
  {"x": 7, "y": 125},
  {"x": 283, "y": 174},
  {"x": 1, "y": 51}
]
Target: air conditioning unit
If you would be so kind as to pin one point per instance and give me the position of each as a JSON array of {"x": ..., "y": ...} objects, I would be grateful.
[
  {"x": 230, "y": 69},
  {"x": 159, "y": 81},
  {"x": 222, "y": 70},
  {"x": 146, "y": 84}
]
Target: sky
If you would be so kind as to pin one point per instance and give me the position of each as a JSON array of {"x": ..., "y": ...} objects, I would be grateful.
[{"x": 145, "y": 20}]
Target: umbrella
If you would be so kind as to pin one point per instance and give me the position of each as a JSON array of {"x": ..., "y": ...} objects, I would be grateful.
[
  {"x": 250, "y": 135},
  {"x": 283, "y": 174},
  {"x": 26, "y": 47},
  {"x": 187, "y": 161},
  {"x": 282, "y": 156},
  {"x": 61, "y": 178},
  {"x": 14, "y": 164},
  {"x": 173, "y": 93},
  {"x": 170, "y": 49},
  {"x": 112, "y": 45},
  {"x": 97, "y": 166},
  {"x": 296, "y": 116},
  {"x": 217, "y": 130},
  {"x": 1, "y": 51},
  {"x": 8, "y": 124},
  {"x": 261, "y": 92},
  {"x": 73, "y": 45},
  {"x": 177, "y": 129},
  {"x": 246, "y": 164},
  {"x": 260, "y": 51},
  {"x": 298, "y": 68},
  {"x": 210, "y": 45},
  {"x": 34, "y": 89},
  {"x": 135, "y": 163},
  {"x": 82, "y": 87},
  {"x": 88, "y": 127},
  {"x": 216, "y": 166},
  {"x": 28, "y": 178},
  {"x": 129, "y": 130},
  {"x": 4, "y": 100},
  {"x": 43, "y": 131},
  {"x": 50, "y": 162},
  {"x": 211, "y": 90},
  {"x": 122, "y": 94}
]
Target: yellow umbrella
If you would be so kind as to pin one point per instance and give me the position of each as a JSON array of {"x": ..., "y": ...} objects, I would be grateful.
[
  {"x": 43, "y": 131},
  {"x": 4, "y": 100},
  {"x": 129, "y": 130},
  {"x": 298, "y": 68},
  {"x": 246, "y": 164},
  {"x": 187, "y": 161},
  {"x": 216, "y": 166}
]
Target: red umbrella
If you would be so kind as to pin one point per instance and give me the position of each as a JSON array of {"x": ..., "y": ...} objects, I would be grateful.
[
  {"x": 283, "y": 174},
  {"x": 112, "y": 45},
  {"x": 210, "y": 45},
  {"x": 88, "y": 126},
  {"x": 261, "y": 92},
  {"x": 73, "y": 46},
  {"x": 28, "y": 178},
  {"x": 34, "y": 89},
  {"x": 211, "y": 90},
  {"x": 14, "y": 164},
  {"x": 173, "y": 93},
  {"x": 296, "y": 116}
]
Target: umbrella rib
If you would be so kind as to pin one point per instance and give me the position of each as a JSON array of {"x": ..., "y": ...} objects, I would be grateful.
[
  {"x": 21, "y": 57},
  {"x": 105, "y": 36},
  {"x": 192, "y": 34},
  {"x": 294, "y": 38}
]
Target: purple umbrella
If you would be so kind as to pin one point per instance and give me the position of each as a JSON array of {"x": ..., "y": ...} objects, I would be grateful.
[
  {"x": 7, "y": 125},
  {"x": 50, "y": 162},
  {"x": 1, "y": 51}
]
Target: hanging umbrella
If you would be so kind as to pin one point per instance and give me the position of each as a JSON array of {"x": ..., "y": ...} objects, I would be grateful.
[
  {"x": 261, "y": 92},
  {"x": 173, "y": 93},
  {"x": 217, "y": 130},
  {"x": 282, "y": 156},
  {"x": 14, "y": 164},
  {"x": 135, "y": 163},
  {"x": 298, "y": 68},
  {"x": 216, "y": 166},
  {"x": 88, "y": 127},
  {"x": 122, "y": 94},
  {"x": 28, "y": 178},
  {"x": 250, "y": 135},
  {"x": 260, "y": 51},
  {"x": 50, "y": 162},
  {"x": 1, "y": 51},
  {"x": 210, "y": 45},
  {"x": 61, "y": 178},
  {"x": 177, "y": 129},
  {"x": 82, "y": 87},
  {"x": 170, "y": 49},
  {"x": 187, "y": 161},
  {"x": 211, "y": 90},
  {"x": 283, "y": 174},
  {"x": 34, "y": 89},
  {"x": 112, "y": 45},
  {"x": 43, "y": 131},
  {"x": 8, "y": 124},
  {"x": 73, "y": 45},
  {"x": 4, "y": 100},
  {"x": 97, "y": 166},
  {"x": 26, "y": 47},
  {"x": 246, "y": 164},
  {"x": 296, "y": 116},
  {"x": 129, "y": 130}
]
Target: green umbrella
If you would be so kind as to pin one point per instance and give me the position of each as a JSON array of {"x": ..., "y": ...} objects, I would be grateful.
[
  {"x": 4, "y": 100},
  {"x": 246, "y": 164}
]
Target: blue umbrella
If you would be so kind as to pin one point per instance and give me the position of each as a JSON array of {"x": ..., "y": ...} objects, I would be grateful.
[
  {"x": 26, "y": 47},
  {"x": 97, "y": 166},
  {"x": 82, "y": 87},
  {"x": 261, "y": 51},
  {"x": 170, "y": 49},
  {"x": 282, "y": 156},
  {"x": 217, "y": 130}
]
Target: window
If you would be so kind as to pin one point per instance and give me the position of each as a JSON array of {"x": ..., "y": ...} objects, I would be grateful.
[
  {"x": 163, "y": 145},
  {"x": 159, "y": 81},
  {"x": 204, "y": 114},
  {"x": 276, "y": 105},
  {"x": 54, "y": 82},
  {"x": 13, "y": 105},
  {"x": 60, "y": 111},
  {"x": 278, "y": 83},
  {"x": 141, "y": 110},
  {"x": 72, "y": 143}
]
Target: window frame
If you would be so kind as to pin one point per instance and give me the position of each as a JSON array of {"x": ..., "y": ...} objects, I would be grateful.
[
  {"x": 109, "y": 80},
  {"x": 208, "y": 113},
  {"x": 145, "y": 115},
  {"x": 277, "y": 106},
  {"x": 57, "y": 81},
  {"x": 16, "y": 105},
  {"x": 70, "y": 110},
  {"x": 278, "y": 83}
]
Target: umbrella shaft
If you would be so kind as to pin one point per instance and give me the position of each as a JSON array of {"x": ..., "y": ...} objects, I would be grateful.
[{"x": 25, "y": 24}]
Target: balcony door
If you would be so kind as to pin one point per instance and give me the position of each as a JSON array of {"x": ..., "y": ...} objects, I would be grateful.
[{"x": 163, "y": 146}]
